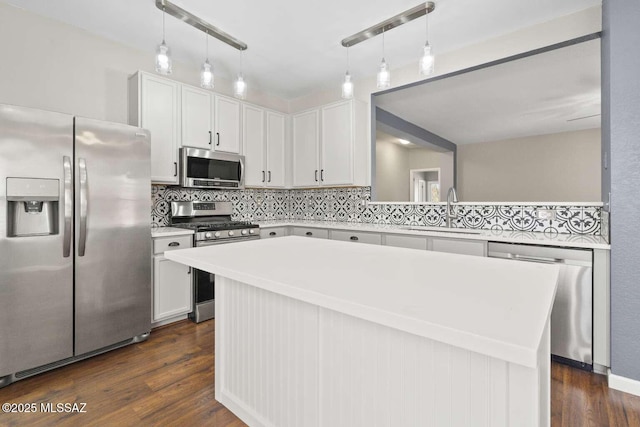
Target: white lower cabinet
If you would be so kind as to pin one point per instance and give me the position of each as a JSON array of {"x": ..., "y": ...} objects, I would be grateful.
[
  {"x": 458, "y": 246},
  {"x": 410, "y": 242},
  {"x": 310, "y": 232},
  {"x": 172, "y": 297},
  {"x": 356, "y": 237}
]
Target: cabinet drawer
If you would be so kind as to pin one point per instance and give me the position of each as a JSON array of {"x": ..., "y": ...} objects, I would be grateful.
[
  {"x": 357, "y": 237},
  {"x": 162, "y": 244},
  {"x": 310, "y": 232},
  {"x": 273, "y": 232},
  {"x": 457, "y": 246},
  {"x": 411, "y": 242}
]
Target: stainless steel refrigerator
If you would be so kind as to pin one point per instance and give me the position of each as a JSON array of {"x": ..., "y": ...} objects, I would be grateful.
[{"x": 75, "y": 246}]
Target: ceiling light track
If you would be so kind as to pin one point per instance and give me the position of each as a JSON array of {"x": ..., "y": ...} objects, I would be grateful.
[
  {"x": 386, "y": 25},
  {"x": 191, "y": 19}
]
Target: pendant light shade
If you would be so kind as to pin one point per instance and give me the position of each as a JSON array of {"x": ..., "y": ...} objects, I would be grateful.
[
  {"x": 240, "y": 87},
  {"x": 426, "y": 62},
  {"x": 163, "y": 54},
  {"x": 347, "y": 87},
  {"x": 206, "y": 75},
  {"x": 384, "y": 76}
]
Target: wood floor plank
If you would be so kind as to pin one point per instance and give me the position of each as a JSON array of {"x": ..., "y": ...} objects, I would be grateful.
[{"x": 169, "y": 380}]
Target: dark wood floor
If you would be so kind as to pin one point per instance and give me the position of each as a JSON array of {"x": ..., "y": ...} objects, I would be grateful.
[{"x": 168, "y": 381}]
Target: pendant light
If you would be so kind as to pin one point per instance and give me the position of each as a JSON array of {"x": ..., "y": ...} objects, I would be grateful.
[
  {"x": 425, "y": 65},
  {"x": 163, "y": 54},
  {"x": 384, "y": 76},
  {"x": 206, "y": 74},
  {"x": 240, "y": 86},
  {"x": 347, "y": 85}
]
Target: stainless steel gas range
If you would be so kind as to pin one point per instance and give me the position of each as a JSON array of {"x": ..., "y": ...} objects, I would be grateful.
[{"x": 212, "y": 224}]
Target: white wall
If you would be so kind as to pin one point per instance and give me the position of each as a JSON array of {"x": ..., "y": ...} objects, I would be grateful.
[
  {"x": 54, "y": 66},
  {"x": 392, "y": 170},
  {"x": 560, "y": 167}
]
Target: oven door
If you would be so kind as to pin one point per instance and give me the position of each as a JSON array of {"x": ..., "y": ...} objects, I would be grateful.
[
  {"x": 204, "y": 284},
  {"x": 206, "y": 169}
]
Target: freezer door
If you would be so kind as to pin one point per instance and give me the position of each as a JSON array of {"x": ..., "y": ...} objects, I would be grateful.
[
  {"x": 113, "y": 234},
  {"x": 36, "y": 279}
]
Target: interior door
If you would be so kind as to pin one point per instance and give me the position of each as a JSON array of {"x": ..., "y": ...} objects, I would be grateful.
[
  {"x": 36, "y": 271},
  {"x": 113, "y": 247}
]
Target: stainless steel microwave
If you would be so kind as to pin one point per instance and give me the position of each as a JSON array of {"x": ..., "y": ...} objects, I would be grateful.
[{"x": 208, "y": 169}]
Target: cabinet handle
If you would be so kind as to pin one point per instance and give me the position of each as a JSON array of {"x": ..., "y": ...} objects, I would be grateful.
[
  {"x": 262, "y": 176},
  {"x": 269, "y": 177},
  {"x": 189, "y": 272},
  {"x": 316, "y": 175},
  {"x": 175, "y": 169},
  {"x": 322, "y": 175},
  {"x": 308, "y": 233},
  {"x": 273, "y": 233},
  {"x": 354, "y": 238},
  {"x": 217, "y": 138},
  {"x": 210, "y": 136},
  {"x": 174, "y": 244}
]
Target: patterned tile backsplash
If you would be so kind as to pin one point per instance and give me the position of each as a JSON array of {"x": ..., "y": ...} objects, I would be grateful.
[{"x": 348, "y": 204}]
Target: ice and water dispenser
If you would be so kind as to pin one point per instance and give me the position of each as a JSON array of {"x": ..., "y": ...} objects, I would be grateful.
[{"x": 32, "y": 206}]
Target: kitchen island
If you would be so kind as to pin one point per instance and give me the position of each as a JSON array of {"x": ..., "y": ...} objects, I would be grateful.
[{"x": 322, "y": 333}]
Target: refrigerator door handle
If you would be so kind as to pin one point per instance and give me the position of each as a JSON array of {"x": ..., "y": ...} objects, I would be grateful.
[
  {"x": 68, "y": 206},
  {"x": 82, "y": 240}
]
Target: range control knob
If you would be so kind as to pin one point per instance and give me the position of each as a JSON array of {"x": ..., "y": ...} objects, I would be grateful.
[
  {"x": 217, "y": 234},
  {"x": 252, "y": 231},
  {"x": 207, "y": 235},
  {"x": 231, "y": 233},
  {"x": 244, "y": 232}
]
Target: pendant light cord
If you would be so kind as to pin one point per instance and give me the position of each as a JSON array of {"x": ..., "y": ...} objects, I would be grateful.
[
  {"x": 163, "y": 14},
  {"x": 426, "y": 17},
  {"x": 206, "y": 42},
  {"x": 348, "y": 64},
  {"x": 383, "y": 43}
]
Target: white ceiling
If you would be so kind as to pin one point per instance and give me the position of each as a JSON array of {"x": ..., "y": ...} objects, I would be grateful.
[
  {"x": 540, "y": 94},
  {"x": 294, "y": 46}
]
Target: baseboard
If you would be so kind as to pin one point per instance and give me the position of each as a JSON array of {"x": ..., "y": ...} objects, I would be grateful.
[{"x": 624, "y": 384}]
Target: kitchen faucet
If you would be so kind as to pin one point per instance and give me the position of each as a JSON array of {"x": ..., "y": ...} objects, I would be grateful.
[{"x": 452, "y": 197}]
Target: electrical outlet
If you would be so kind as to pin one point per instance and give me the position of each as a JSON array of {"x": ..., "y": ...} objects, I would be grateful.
[{"x": 548, "y": 214}]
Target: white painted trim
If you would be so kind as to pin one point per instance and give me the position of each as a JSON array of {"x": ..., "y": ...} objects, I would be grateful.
[{"x": 624, "y": 384}]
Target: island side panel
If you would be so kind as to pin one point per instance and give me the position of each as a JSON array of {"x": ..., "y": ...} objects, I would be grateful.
[
  {"x": 280, "y": 361},
  {"x": 266, "y": 356}
]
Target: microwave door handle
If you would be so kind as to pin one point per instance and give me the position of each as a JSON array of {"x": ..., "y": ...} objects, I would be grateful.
[{"x": 240, "y": 170}]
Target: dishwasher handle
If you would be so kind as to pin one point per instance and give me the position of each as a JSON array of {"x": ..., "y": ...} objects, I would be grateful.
[{"x": 543, "y": 260}]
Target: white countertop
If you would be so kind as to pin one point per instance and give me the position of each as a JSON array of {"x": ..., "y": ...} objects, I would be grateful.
[
  {"x": 169, "y": 231},
  {"x": 490, "y": 306},
  {"x": 525, "y": 237}
]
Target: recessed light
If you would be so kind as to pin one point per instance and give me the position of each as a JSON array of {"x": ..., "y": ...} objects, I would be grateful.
[{"x": 403, "y": 141}]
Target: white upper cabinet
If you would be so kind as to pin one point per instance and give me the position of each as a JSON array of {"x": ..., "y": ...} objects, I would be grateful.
[
  {"x": 197, "y": 117},
  {"x": 263, "y": 134},
  {"x": 154, "y": 104},
  {"x": 306, "y": 138},
  {"x": 276, "y": 142},
  {"x": 226, "y": 127},
  {"x": 253, "y": 135},
  {"x": 330, "y": 145}
]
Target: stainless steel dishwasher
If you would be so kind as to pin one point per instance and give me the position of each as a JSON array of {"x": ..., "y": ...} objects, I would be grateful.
[{"x": 572, "y": 313}]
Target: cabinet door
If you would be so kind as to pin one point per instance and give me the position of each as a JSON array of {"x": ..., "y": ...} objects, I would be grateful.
[
  {"x": 276, "y": 134},
  {"x": 266, "y": 233},
  {"x": 306, "y": 128},
  {"x": 172, "y": 290},
  {"x": 159, "y": 113},
  {"x": 337, "y": 144},
  {"x": 227, "y": 125},
  {"x": 459, "y": 246},
  {"x": 356, "y": 237},
  {"x": 196, "y": 118},
  {"x": 318, "y": 233},
  {"x": 253, "y": 139},
  {"x": 411, "y": 242}
]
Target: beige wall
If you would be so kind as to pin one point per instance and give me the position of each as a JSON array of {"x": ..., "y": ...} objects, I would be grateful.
[
  {"x": 561, "y": 167},
  {"x": 393, "y": 165},
  {"x": 54, "y": 66}
]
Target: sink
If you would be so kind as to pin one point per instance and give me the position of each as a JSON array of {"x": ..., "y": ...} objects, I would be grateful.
[{"x": 444, "y": 230}]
